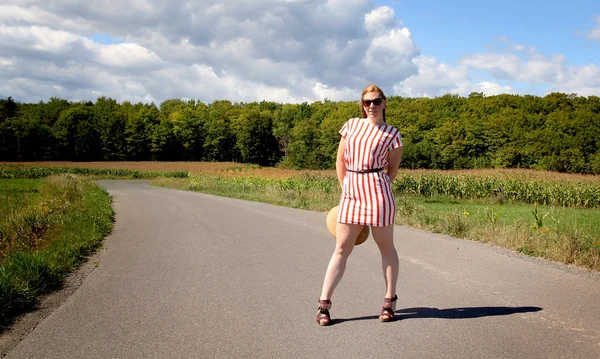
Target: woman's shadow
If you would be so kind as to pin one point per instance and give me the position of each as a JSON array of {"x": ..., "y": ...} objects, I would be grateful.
[{"x": 449, "y": 313}]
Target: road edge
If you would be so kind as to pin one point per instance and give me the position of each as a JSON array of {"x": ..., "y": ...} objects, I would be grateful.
[{"x": 48, "y": 303}]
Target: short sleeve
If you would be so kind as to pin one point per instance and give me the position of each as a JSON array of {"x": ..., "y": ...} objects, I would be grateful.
[
  {"x": 396, "y": 142},
  {"x": 345, "y": 129}
]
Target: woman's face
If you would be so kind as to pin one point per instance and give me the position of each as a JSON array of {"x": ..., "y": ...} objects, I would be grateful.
[{"x": 373, "y": 104}]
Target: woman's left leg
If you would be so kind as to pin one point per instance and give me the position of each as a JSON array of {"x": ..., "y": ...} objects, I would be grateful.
[{"x": 384, "y": 238}]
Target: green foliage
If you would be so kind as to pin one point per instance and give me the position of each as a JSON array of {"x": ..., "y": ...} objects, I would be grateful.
[
  {"x": 219, "y": 144},
  {"x": 139, "y": 131},
  {"x": 8, "y": 108},
  {"x": 539, "y": 218},
  {"x": 282, "y": 126},
  {"x": 18, "y": 171},
  {"x": 189, "y": 130},
  {"x": 557, "y": 132},
  {"x": 491, "y": 215},
  {"x": 255, "y": 140},
  {"x": 112, "y": 122},
  {"x": 557, "y": 193},
  {"x": 424, "y": 154},
  {"x": 77, "y": 134}
]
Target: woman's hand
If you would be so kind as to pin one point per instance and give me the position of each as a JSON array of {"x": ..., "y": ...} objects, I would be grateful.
[{"x": 394, "y": 157}]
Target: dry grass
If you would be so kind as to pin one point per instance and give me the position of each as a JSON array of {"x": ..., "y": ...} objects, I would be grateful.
[{"x": 225, "y": 169}]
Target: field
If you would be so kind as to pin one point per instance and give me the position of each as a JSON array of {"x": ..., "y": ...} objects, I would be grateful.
[
  {"x": 543, "y": 214},
  {"x": 234, "y": 169}
]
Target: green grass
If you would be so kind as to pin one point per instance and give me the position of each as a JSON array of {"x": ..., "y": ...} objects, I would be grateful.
[
  {"x": 17, "y": 193},
  {"x": 21, "y": 219},
  {"x": 488, "y": 211},
  {"x": 21, "y": 185},
  {"x": 77, "y": 215},
  {"x": 564, "y": 235}
]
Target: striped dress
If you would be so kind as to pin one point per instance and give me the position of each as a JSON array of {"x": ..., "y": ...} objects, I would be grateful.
[{"x": 367, "y": 198}]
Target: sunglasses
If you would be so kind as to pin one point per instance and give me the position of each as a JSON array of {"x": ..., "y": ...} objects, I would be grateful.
[{"x": 376, "y": 101}]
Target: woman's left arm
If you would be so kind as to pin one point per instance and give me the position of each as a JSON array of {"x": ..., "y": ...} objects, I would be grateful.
[{"x": 394, "y": 157}]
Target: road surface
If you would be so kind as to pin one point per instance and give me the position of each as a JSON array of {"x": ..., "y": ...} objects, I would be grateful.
[{"x": 189, "y": 275}]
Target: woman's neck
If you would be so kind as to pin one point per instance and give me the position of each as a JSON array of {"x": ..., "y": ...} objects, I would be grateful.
[{"x": 375, "y": 121}]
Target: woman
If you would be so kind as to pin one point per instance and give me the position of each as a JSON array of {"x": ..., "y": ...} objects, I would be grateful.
[{"x": 367, "y": 146}]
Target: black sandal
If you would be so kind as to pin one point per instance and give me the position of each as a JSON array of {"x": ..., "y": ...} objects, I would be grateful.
[
  {"x": 387, "y": 312},
  {"x": 323, "y": 317}
]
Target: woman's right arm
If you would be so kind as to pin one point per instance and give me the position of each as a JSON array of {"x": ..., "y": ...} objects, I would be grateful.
[{"x": 340, "y": 166}]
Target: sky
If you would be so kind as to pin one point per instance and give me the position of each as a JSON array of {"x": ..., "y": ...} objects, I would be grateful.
[{"x": 293, "y": 51}]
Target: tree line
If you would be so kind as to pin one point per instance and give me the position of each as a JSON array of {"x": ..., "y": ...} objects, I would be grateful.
[{"x": 557, "y": 132}]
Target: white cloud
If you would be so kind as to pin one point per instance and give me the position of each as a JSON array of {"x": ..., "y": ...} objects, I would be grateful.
[
  {"x": 124, "y": 55},
  {"x": 526, "y": 65},
  {"x": 583, "y": 80},
  {"x": 533, "y": 68},
  {"x": 502, "y": 66},
  {"x": 594, "y": 34},
  {"x": 389, "y": 56},
  {"x": 435, "y": 79},
  {"x": 279, "y": 50},
  {"x": 324, "y": 92},
  {"x": 490, "y": 88},
  {"x": 270, "y": 49},
  {"x": 380, "y": 20},
  {"x": 36, "y": 38},
  {"x": 432, "y": 79}
]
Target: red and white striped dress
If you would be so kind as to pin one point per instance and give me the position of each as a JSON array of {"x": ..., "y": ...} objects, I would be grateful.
[{"x": 367, "y": 198}]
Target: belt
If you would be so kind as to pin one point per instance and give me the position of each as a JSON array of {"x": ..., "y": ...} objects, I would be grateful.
[{"x": 366, "y": 171}]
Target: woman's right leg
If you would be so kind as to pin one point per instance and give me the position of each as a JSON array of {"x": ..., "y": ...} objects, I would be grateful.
[{"x": 346, "y": 237}]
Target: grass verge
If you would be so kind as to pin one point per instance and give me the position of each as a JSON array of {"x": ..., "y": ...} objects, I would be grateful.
[
  {"x": 561, "y": 234},
  {"x": 57, "y": 223}
]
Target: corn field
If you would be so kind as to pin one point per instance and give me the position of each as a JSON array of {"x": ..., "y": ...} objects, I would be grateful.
[
  {"x": 544, "y": 192},
  {"x": 16, "y": 171}
]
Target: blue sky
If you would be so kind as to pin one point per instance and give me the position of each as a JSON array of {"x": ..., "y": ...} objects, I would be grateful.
[
  {"x": 292, "y": 51},
  {"x": 451, "y": 29},
  {"x": 104, "y": 39}
]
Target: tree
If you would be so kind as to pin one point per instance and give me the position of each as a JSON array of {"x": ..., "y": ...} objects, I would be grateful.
[
  {"x": 283, "y": 123},
  {"x": 9, "y": 143},
  {"x": 190, "y": 130},
  {"x": 164, "y": 145},
  {"x": 112, "y": 123},
  {"x": 558, "y": 132},
  {"x": 329, "y": 131},
  {"x": 77, "y": 133},
  {"x": 8, "y": 109},
  {"x": 424, "y": 154},
  {"x": 138, "y": 133},
  {"x": 219, "y": 144},
  {"x": 254, "y": 138}
]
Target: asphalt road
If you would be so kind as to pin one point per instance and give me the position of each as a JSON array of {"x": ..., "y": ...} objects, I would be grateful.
[{"x": 188, "y": 275}]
